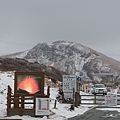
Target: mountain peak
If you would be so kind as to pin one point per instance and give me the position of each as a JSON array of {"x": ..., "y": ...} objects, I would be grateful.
[
  {"x": 62, "y": 42},
  {"x": 72, "y": 58}
]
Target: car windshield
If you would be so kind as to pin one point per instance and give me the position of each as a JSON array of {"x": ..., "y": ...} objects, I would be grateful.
[
  {"x": 99, "y": 85},
  {"x": 92, "y": 86}
]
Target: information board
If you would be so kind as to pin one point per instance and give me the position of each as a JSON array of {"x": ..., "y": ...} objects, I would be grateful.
[
  {"x": 42, "y": 106},
  {"x": 69, "y": 82},
  {"x": 29, "y": 83},
  {"x": 111, "y": 100}
]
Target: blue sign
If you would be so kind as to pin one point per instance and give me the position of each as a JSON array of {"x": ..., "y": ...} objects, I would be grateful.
[{"x": 79, "y": 78}]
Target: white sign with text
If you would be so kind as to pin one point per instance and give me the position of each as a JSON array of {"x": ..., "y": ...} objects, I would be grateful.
[
  {"x": 69, "y": 82},
  {"x": 111, "y": 100},
  {"x": 42, "y": 106}
]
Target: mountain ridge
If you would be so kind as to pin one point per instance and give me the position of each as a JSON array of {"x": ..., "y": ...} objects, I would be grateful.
[{"x": 73, "y": 58}]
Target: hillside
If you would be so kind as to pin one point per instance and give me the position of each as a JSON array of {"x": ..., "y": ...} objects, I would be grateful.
[
  {"x": 70, "y": 57},
  {"x": 17, "y": 64}
]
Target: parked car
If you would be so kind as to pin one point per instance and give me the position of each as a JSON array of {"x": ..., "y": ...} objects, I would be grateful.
[{"x": 99, "y": 89}]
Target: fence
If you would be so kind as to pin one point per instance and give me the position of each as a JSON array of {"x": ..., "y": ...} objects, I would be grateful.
[
  {"x": 22, "y": 104},
  {"x": 95, "y": 99}
]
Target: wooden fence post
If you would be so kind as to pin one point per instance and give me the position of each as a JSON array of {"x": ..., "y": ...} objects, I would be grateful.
[
  {"x": 16, "y": 101},
  {"x": 79, "y": 99},
  {"x": 22, "y": 104},
  {"x": 63, "y": 99},
  {"x": 78, "y": 95},
  {"x": 76, "y": 99},
  {"x": 94, "y": 99},
  {"x": 22, "y": 101},
  {"x": 8, "y": 100},
  {"x": 73, "y": 96},
  {"x": 48, "y": 91},
  {"x": 34, "y": 107},
  {"x": 55, "y": 104}
]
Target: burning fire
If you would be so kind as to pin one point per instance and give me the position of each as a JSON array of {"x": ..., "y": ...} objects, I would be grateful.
[{"x": 29, "y": 84}]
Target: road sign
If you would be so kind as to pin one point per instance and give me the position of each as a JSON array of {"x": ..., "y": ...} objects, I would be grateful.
[{"x": 79, "y": 78}]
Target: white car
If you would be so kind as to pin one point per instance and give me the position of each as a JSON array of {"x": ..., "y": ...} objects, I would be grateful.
[{"x": 99, "y": 89}]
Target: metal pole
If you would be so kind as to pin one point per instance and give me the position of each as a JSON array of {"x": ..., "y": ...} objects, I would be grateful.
[{"x": 73, "y": 96}]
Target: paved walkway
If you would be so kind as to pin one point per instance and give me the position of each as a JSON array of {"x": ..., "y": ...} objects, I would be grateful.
[{"x": 94, "y": 114}]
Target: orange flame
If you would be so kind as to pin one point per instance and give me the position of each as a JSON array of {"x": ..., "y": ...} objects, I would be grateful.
[{"x": 29, "y": 84}]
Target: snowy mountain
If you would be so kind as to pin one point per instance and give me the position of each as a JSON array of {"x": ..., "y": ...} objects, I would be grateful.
[{"x": 73, "y": 58}]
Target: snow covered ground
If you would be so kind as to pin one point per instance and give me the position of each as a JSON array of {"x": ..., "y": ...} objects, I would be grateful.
[{"x": 61, "y": 113}]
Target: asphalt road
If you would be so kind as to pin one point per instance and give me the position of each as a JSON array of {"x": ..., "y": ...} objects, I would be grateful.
[{"x": 94, "y": 114}]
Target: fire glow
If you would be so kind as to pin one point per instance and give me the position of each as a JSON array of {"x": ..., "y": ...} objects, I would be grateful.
[{"x": 29, "y": 84}]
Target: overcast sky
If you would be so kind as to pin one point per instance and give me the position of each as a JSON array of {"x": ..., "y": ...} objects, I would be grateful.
[{"x": 93, "y": 23}]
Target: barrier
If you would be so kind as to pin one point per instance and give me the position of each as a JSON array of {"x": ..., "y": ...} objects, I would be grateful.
[{"x": 22, "y": 104}]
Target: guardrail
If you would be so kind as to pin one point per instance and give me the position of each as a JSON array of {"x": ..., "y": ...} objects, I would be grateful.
[{"x": 95, "y": 99}]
